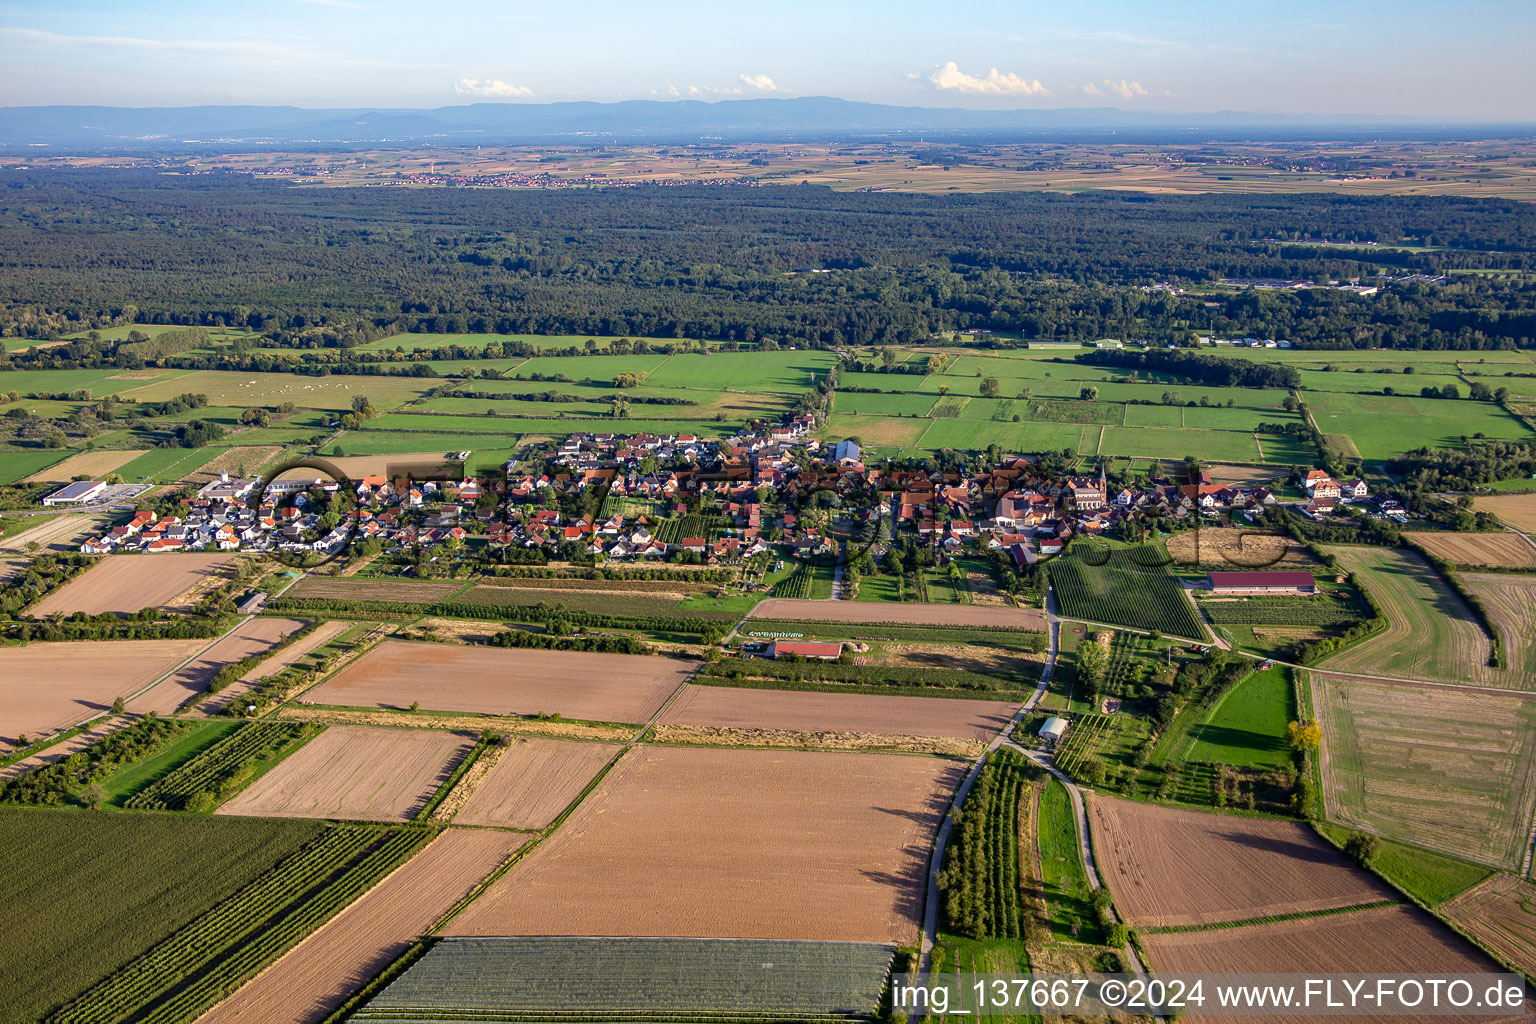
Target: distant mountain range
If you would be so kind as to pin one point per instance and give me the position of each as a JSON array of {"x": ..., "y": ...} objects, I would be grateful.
[{"x": 98, "y": 129}]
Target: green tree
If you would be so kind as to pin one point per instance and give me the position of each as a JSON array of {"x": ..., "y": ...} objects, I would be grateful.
[
  {"x": 990, "y": 388},
  {"x": 1088, "y": 394}
]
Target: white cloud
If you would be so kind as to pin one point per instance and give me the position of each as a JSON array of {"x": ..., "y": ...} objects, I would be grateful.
[
  {"x": 762, "y": 83},
  {"x": 993, "y": 83},
  {"x": 1125, "y": 90},
  {"x": 491, "y": 87},
  {"x": 1093, "y": 90}
]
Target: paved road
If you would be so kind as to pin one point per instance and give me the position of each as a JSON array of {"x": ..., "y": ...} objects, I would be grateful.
[{"x": 941, "y": 839}]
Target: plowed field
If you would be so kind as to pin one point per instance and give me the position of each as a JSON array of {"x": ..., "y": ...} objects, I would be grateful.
[
  {"x": 902, "y": 614},
  {"x": 1501, "y": 914},
  {"x": 317, "y": 975},
  {"x": 1386, "y": 940},
  {"x": 187, "y": 682},
  {"x": 687, "y": 841},
  {"x": 126, "y": 584},
  {"x": 45, "y": 687},
  {"x": 1171, "y": 867},
  {"x": 351, "y": 589},
  {"x": 735, "y": 708},
  {"x": 356, "y": 772},
  {"x": 493, "y": 681},
  {"x": 533, "y": 781},
  {"x": 290, "y": 655}
]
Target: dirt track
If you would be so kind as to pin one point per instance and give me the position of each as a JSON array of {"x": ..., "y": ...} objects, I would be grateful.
[
  {"x": 1168, "y": 866},
  {"x": 835, "y": 847},
  {"x": 126, "y": 584},
  {"x": 319, "y": 973},
  {"x": 355, "y": 772},
  {"x": 445, "y": 677},
  {"x": 796, "y": 711},
  {"x": 899, "y": 614}
]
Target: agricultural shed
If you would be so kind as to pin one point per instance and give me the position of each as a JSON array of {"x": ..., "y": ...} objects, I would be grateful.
[
  {"x": 1053, "y": 729},
  {"x": 804, "y": 649},
  {"x": 1262, "y": 583}
]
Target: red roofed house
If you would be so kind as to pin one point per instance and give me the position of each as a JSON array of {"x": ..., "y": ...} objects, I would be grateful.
[
  {"x": 1263, "y": 583},
  {"x": 804, "y": 649}
]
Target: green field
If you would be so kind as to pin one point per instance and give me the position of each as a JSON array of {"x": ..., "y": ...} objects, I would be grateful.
[
  {"x": 1431, "y": 878},
  {"x": 1247, "y": 728},
  {"x": 1382, "y": 427},
  {"x": 336, "y": 392},
  {"x": 85, "y": 892},
  {"x": 198, "y": 737},
  {"x": 14, "y": 465},
  {"x": 1062, "y": 875}
]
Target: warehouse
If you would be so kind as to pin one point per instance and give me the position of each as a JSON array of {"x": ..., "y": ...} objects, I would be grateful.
[
  {"x": 1262, "y": 583},
  {"x": 81, "y": 492}
]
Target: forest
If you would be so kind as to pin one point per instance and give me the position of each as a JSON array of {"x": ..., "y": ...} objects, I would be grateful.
[{"x": 88, "y": 248}]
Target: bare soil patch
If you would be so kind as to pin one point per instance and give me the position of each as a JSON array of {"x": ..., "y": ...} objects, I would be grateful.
[
  {"x": 1243, "y": 476},
  {"x": 355, "y": 466},
  {"x": 997, "y": 661},
  {"x": 495, "y": 681},
  {"x": 1501, "y": 914},
  {"x": 1501, "y": 549},
  {"x": 1516, "y": 510},
  {"x": 899, "y": 614},
  {"x": 92, "y": 464},
  {"x": 1235, "y": 549},
  {"x": 1387, "y": 940},
  {"x": 318, "y": 974},
  {"x": 290, "y": 655},
  {"x": 533, "y": 781},
  {"x": 353, "y": 589},
  {"x": 793, "y": 710},
  {"x": 1168, "y": 866},
  {"x": 127, "y": 584},
  {"x": 356, "y": 772},
  {"x": 984, "y": 591},
  {"x": 46, "y": 687},
  {"x": 187, "y": 682},
  {"x": 836, "y": 847}
]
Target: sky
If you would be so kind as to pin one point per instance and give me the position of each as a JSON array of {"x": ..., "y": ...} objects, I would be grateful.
[{"x": 1433, "y": 60}]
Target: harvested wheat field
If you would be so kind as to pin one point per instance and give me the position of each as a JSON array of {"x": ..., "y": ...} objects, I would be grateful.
[
  {"x": 89, "y": 464},
  {"x": 318, "y": 974},
  {"x": 1501, "y": 914},
  {"x": 58, "y": 533},
  {"x": 1170, "y": 867},
  {"x": 1511, "y": 602},
  {"x": 353, "y": 589},
  {"x": 735, "y": 708},
  {"x": 1515, "y": 510},
  {"x": 1384, "y": 940},
  {"x": 494, "y": 681},
  {"x": 45, "y": 687},
  {"x": 1229, "y": 549},
  {"x": 533, "y": 781},
  {"x": 1453, "y": 769},
  {"x": 1501, "y": 549},
  {"x": 187, "y": 682},
  {"x": 793, "y": 609},
  {"x": 127, "y": 584},
  {"x": 356, "y": 772},
  {"x": 835, "y": 845}
]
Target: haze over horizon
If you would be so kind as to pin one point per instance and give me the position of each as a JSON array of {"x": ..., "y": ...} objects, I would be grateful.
[{"x": 1428, "y": 61}]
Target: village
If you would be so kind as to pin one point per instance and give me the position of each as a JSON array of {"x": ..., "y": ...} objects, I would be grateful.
[{"x": 618, "y": 497}]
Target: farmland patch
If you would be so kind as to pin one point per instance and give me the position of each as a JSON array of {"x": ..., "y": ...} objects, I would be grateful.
[
  {"x": 1501, "y": 914},
  {"x": 190, "y": 680},
  {"x": 127, "y": 584},
  {"x": 808, "y": 712},
  {"x": 533, "y": 781},
  {"x": 92, "y": 464},
  {"x": 1500, "y": 549},
  {"x": 836, "y": 844},
  {"x": 441, "y": 677},
  {"x": 1511, "y": 602},
  {"x": 899, "y": 614},
  {"x": 1515, "y": 510},
  {"x": 1168, "y": 866},
  {"x": 357, "y": 772}
]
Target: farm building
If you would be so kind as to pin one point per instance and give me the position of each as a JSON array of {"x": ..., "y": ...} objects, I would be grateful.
[
  {"x": 804, "y": 649},
  {"x": 81, "y": 492},
  {"x": 1053, "y": 729},
  {"x": 1262, "y": 583}
]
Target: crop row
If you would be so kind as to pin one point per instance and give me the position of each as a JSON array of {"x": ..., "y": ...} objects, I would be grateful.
[
  {"x": 1081, "y": 742},
  {"x": 185, "y": 974},
  {"x": 217, "y": 772},
  {"x": 796, "y": 585},
  {"x": 1282, "y": 611},
  {"x": 1122, "y": 592},
  {"x": 980, "y": 879}
]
